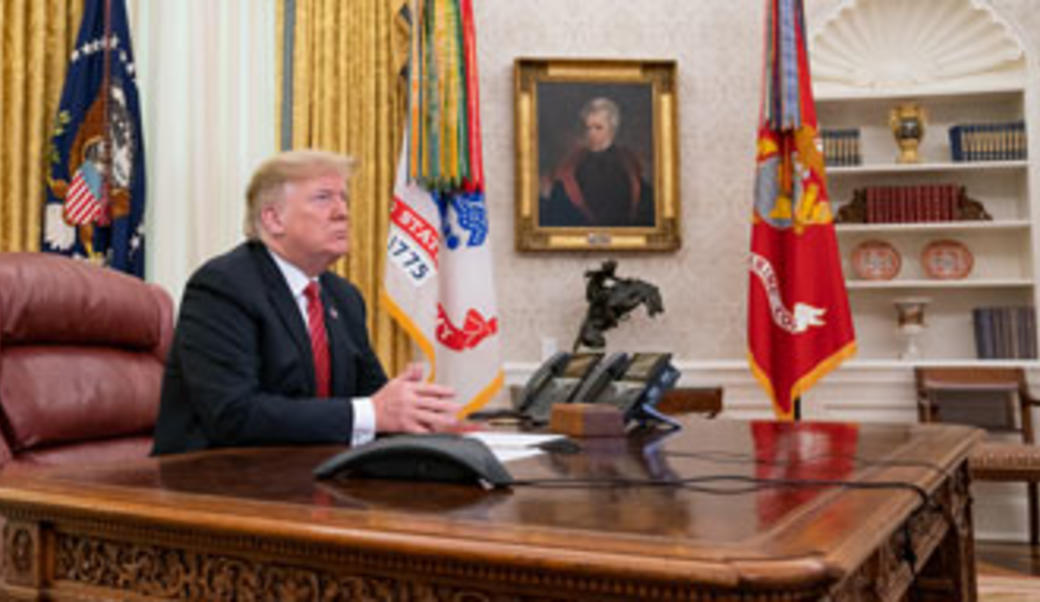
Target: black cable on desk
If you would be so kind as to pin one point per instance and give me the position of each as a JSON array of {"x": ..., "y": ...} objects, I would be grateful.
[
  {"x": 702, "y": 484},
  {"x": 727, "y": 457}
]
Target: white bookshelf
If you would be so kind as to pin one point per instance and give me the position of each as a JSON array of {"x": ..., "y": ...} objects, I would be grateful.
[
  {"x": 857, "y": 91},
  {"x": 1004, "y": 270}
]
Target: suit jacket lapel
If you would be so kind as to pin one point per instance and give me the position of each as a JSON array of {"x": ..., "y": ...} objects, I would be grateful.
[
  {"x": 341, "y": 349},
  {"x": 285, "y": 306}
]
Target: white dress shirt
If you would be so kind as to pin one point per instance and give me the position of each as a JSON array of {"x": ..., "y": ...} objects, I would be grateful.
[{"x": 364, "y": 412}]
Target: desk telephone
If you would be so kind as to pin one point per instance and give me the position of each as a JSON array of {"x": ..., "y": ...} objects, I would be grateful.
[
  {"x": 634, "y": 384},
  {"x": 556, "y": 381}
]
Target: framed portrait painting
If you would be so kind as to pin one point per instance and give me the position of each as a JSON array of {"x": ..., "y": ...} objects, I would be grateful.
[{"x": 596, "y": 155}]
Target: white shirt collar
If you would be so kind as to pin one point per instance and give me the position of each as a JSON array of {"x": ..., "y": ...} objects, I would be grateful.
[{"x": 293, "y": 275}]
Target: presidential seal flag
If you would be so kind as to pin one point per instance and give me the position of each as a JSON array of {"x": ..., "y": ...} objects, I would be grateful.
[
  {"x": 94, "y": 206},
  {"x": 438, "y": 281},
  {"x": 799, "y": 326}
]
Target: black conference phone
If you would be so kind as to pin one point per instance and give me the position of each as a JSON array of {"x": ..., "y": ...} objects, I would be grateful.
[
  {"x": 442, "y": 457},
  {"x": 632, "y": 384}
]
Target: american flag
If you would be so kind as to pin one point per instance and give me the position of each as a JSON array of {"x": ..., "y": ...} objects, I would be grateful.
[{"x": 82, "y": 202}]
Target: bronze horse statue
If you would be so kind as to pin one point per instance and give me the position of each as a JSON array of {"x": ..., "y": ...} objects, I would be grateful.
[{"x": 611, "y": 299}]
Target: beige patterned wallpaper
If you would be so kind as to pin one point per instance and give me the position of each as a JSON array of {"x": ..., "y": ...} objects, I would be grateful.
[{"x": 717, "y": 44}]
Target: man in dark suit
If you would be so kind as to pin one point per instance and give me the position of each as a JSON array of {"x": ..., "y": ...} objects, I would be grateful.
[{"x": 271, "y": 348}]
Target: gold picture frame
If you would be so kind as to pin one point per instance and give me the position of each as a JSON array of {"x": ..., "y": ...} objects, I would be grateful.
[{"x": 596, "y": 155}]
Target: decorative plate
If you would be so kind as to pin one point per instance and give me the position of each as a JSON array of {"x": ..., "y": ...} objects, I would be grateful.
[
  {"x": 946, "y": 259},
  {"x": 875, "y": 260}
]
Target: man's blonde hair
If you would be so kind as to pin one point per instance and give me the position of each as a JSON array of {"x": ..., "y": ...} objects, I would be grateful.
[{"x": 268, "y": 183}]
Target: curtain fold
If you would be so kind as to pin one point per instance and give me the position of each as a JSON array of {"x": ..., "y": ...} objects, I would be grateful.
[
  {"x": 37, "y": 38},
  {"x": 206, "y": 75},
  {"x": 347, "y": 97}
]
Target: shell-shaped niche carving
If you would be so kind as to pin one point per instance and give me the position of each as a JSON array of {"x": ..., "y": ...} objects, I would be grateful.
[{"x": 914, "y": 44}]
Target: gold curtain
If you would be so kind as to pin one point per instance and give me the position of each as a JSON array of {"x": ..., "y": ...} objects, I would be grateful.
[
  {"x": 347, "y": 97},
  {"x": 37, "y": 38}
]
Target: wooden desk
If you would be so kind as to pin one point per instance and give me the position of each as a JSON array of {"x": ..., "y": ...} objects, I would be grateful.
[{"x": 252, "y": 524}]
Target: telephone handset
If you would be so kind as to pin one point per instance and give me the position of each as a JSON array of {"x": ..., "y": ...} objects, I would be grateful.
[
  {"x": 538, "y": 381},
  {"x": 555, "y": 381},
  {"x": 639, "y": 387},
  {"x": 598, "y": 380}
]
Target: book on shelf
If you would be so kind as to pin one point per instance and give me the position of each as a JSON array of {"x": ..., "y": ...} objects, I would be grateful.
[
  {"x": 841, "y": 147},
  {"x": 988, "y": 141},
  {"x": 1005, "y": 332},
  {"x": 909, "y": 204}
]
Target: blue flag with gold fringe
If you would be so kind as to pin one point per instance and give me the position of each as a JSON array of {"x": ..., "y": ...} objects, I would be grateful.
[{"x": 95, "y": 183}]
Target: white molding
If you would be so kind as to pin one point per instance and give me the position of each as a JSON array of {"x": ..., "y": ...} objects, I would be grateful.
[
  {"x": 895, "y": 168},
  {"x": 951, "y": 226},
  {"x": 939, "y": 284}
]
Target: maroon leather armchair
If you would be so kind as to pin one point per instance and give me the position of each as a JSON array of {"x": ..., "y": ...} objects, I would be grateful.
[{"x": 81, "y": 361}]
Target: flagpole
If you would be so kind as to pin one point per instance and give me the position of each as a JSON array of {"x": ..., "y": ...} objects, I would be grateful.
[
  {"x": 797, "y": 407},
  {"x": 106, "y": 140}
]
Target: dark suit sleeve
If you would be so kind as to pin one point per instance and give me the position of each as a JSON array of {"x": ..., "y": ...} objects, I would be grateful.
[{"x": 223, "y": 335}]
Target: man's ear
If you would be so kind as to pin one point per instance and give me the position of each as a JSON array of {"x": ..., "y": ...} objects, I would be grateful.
[{"x": 271, "y": 219}]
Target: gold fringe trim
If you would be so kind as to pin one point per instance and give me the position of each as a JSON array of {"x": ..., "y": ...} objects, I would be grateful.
[
  {"x": 481, "y": 399},
  {"x": 804, "y": 383},
  {"x": 413, "y": 331}
]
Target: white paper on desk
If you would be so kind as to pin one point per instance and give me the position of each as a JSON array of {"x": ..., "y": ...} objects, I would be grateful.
[{"x": 513, "y": 446}]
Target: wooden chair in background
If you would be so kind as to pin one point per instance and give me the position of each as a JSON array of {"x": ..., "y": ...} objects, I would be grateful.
[{"x": 998, "y": 400}]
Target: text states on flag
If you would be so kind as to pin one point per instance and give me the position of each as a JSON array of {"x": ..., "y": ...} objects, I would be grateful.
[{"x": 412, "y": 243}]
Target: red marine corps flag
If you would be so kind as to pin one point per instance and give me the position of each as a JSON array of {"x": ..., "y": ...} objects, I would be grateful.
[{"x": 799, "y": 327}]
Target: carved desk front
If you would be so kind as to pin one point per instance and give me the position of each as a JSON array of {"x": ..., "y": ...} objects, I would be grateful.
[{"x": 252, "y": 524}]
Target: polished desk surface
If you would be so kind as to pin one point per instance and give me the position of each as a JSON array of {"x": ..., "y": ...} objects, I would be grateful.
[{"x": 735, "y": 535}]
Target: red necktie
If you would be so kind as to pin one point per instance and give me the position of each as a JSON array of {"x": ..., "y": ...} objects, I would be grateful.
[{"x": 319, "y": 339}]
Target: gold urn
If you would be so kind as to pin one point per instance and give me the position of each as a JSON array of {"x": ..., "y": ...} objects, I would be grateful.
[{"x": 907, "y": 123}]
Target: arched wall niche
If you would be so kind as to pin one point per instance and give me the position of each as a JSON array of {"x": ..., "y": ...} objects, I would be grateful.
[{"x": 887, "y": 47}]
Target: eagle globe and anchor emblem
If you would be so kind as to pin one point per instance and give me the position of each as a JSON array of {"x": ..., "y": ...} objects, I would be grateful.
[
  {"x": 102, "y": 153},
  {"x": 788, "y": 197}
]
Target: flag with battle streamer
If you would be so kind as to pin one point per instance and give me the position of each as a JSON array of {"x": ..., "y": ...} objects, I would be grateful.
[
  {"x": 439, "y": 283},
  {"x": 94, "y": 205},
  {"x": 799, "y": 324}
]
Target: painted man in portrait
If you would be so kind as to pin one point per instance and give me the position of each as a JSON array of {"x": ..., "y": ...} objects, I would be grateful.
[{"x": 599, "y": 183}]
